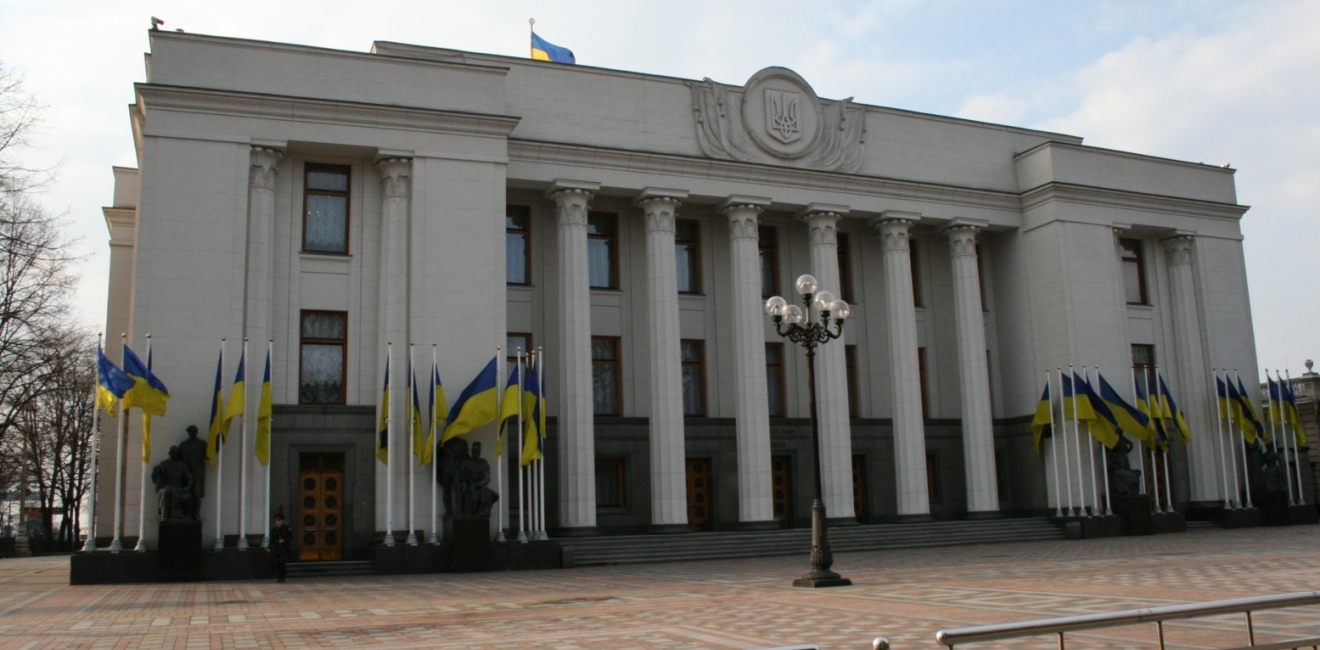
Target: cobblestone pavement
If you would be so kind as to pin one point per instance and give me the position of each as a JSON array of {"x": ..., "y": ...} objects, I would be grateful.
[{"x": 904, "y": 595}]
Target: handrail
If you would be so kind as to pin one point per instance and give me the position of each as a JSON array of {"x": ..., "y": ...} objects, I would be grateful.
[{"x": 1156, "y": 615}]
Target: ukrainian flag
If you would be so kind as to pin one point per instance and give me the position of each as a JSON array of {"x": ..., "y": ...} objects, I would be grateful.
[
  {"x": 510, "y": 408},
  {"x": 238, "y": 394},
  {"x": 475, "y": 406},
  {"x": 1042, "y": 425},
  {"x": 148, "y": 392},
  {"x": 1075, "y": 407},
  {"x": 418, "y": 439},
  {"x": 1148, "y": 405},
  {"x": 1291, "y": 414},
  {"x": 1103, "y": 426},
  {"x": 263, "y": 417},
  {"x": 1247, "y": 412},
  {"x": 532, "y": 425},
  {"x": 111, "y": 382},
  {"x": 219, "y": 426},
  {"x": 543, "y": 50},
  {"x": 439, "y": 413},
  {"x": 1172, "y": 412},
  {"x": 383, "y": 431},
  {"x": 1225, "y": 407},
  {"x": 1128, "y": 418},
  {"x": 1275, "y": 406}
]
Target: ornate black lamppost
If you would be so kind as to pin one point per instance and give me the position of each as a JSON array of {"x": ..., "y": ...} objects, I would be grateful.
[{"x": 797, "y": 325}]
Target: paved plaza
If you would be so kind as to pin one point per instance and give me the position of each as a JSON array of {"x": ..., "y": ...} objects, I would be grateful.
[{"x": 903, "y": 595}]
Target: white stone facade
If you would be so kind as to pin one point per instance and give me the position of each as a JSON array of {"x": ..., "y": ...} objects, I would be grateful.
[{"x": 979, "y": 256}]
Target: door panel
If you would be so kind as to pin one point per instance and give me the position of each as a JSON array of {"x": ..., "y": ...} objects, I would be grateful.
[
  {"x": 698, "y": 493},
  {"x": 781, "y": 477},
  {"x": 321, "y": 508}
]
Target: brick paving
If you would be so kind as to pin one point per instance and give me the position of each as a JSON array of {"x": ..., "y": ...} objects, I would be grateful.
[{"x": 903, "y": 595}]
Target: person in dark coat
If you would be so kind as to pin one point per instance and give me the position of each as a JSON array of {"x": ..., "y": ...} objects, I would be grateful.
[{"x": 281, "y": 546}]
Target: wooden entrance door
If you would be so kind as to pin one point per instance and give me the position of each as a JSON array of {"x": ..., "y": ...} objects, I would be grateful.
[
  {"x": 781, "y": 477},
  {"x": 321, "y": 507},
  {"x": 698, "y": 493}
]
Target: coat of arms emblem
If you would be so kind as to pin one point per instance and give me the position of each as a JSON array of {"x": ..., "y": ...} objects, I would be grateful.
[{"x": 781, "y": 115}]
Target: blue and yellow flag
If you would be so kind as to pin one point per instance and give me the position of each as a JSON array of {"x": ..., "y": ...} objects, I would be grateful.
[
  {"x": 1225, "y": 405},
  {"x": 1128, "y": 418},
  {"x": 510, "y": 408},
  {"x": 439, "y": 413},
  {"x": 111, "y": 382},
  {"x": 1247, "y": 411},
  {"x": 1147, "y": 404},
  {"x": 415, "y": 418},
  {"x": 533, "y": 421},
  {"x": 543, "y": 50},
  {"x": 1173, "y": 413},
  {"x": 1275, "y": 405},
  {"x": 237, "y": 394},
  {"x": 263, "y": 417},
  {"x": 1233, "y": 409},
  {"x": 475, "y": 406},
  {"x": 1042, "y": 425},
  {"x": 1104, "y": 426},
  {"x": 383, "y": 431},
  {"x": 1291, "y": 414},
  {"x": 219, "y": 427},
  {"x": 1075, "y": 405},
  {"x": 148, "y": 392}
]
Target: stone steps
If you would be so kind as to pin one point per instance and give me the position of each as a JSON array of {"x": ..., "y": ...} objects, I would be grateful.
[
  {"x": 332, "y": 568},
  {"x": 629, "y": 549}
]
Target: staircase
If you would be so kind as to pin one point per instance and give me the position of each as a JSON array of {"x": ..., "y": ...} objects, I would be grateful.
[
  {"x": 328, "y": 569},
  {"x": 630, "y": 549}
]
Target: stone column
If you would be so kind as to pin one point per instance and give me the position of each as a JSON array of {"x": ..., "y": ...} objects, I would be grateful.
[
  {"x": 974, "y": 374},
  {"x": 752, "y": 403},
  {"x": 396, "y": 202},
  {"x": 260, "y": 284},
  {"x": 1192, "y": 383},
  {"x": 831, "y": 371},
  {"x": 577, "y": 436},
  {"x": 668, "y": 462},
  {"x": 904, "y": 373}
]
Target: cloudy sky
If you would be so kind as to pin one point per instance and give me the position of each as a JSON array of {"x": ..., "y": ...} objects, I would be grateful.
[{"x": 1209, "y": 81}]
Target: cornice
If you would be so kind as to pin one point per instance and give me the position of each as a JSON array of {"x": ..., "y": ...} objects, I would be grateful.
[
  {"x": 1155, "y": 203},
  {"x": 305, "y": 109}
]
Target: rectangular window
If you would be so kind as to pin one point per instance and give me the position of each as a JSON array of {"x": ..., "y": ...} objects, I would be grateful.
[
  {"x": 517, "y": 244},
  {"x": 1134, "y": 272},
  {"x": 980, "y": 276},
  {"x": 850, "y": 364},
  {"x": 768, "y": 241},
  {"x": 605, "y": 371},
  {"x": 694, "y": 377},
  {"x": 845, "y": 269},
  {"x": 774, "y": 378},
  {"x": 325, "y": 209},
  {"x": 921, "y": 374},
  {"x": 1143, "y": 368},
  {"x": 323, "y": 343},
  {"x": 513, "y": 341},
  {"x": 603, "y": 250},
  {"x": 687, "y": 254},
  {"x": 610, "y": 492},
  {"x": 914, "y": 259}
]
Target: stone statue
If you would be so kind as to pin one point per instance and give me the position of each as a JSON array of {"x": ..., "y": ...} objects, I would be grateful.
[
  {"x": 174, "y": 485},
  {"x": 1273, "y": 473},
  {"x": 1123, "y": 480},
  {"x": 474, "y": 475},
  {"x": 194, "y": 454},
  {"x": 452, "y": 453}
]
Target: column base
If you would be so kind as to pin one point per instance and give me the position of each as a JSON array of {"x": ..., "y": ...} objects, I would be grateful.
[
  {"x": 577, "y": 531},
  {"x": 983, "y": 515},
  {"x": 669, "y": 529},
  {"x": 914, "y": 519}
]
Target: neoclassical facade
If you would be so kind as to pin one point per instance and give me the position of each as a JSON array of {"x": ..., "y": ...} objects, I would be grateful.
[{"x": 632, "y": 225}]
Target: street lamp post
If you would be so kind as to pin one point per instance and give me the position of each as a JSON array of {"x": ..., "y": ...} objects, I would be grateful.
[{"x": 797, "y": 325}]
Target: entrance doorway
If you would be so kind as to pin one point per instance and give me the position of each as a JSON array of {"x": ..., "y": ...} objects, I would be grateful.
[
  {"x": 859, "y": 487},
  {"x": 781, "y": 478},
  {"x": 698, "y": 493},
  {"x": 320, "y": 507}
]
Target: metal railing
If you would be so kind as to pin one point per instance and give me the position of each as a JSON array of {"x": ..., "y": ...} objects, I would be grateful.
[{"x": 1156, "y": 615}]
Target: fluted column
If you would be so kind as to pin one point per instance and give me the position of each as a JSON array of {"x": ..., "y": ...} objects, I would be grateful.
[
  {"x": 831, "y": 372},
  {"x": 1192, "y": 382},
  {"x": 752, "y": 402},
  {"x": 260, "y": 262},
  {"x": 396, "y": 202},
  {"x": 577, "y": 436},
  {"x": 668, "y": 464},
  {"x": 974, "y": 374},
  {"x": 904, "y": 373}
]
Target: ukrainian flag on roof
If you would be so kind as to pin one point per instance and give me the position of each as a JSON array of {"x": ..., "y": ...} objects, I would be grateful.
[{"x": 543, "y": 50}]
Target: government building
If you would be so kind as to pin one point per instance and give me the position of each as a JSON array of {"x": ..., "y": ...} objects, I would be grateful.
[{"x": 632, "y": 226}]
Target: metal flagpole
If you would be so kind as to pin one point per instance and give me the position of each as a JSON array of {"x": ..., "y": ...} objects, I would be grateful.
[
  {"x": 1297, "y": 449},
  {"x": 1231, "y": 462},
  {"x": 1220, "y": 437},
  {"x": 411, "y": 540},
  {"x": 499, "y": 462},
  {"x": 1155, "y": 442},
  {"x": 89, "y": 544},
  {"x": 142, "y": 479},
  {"x": 1054, "y": 453},
  {"x": 522, "y": 498},
  {"x": 389, "y": 446},
  {"x": 1104, "y": 457},
  {"x": 1141, "y": 454},
  {"x": 220, "y": 460},
  {"x": 1276, "y": 424},
  {"x": 242, "y": 457},
  {"x": 540, "y": 470},
  {"x": 121, "y": 432},
  {"x": 1246, "y": 472},
  {"x": 1067, "y": 469},
  {"x": 1168, "y": 489},
  {"x": 435, "y": 437},
  {"x": 1077, "y": 430},
  {"x": 270, "y": 424}
]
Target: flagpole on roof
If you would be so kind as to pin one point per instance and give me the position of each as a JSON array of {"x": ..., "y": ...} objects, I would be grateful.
[
  {"x": 89, "y": 544},
  {"x": 220, "y": 440},
  {"x": 531, "y": 30},
  {"x": 120, "y": 433}
]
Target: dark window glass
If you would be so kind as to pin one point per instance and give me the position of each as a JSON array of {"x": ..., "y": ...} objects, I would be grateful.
[
  {"x": 694, "y": 378},
  {"x": 774, "y": 377},
  {"x": 980, "y": 276},
  {"x": 1143, "y": 368},
  {"x": 513, "y": 341},
  {"x": 921, "y": 374},
  {"x": 915, "y": 258},
  {"x": 602, "y": 251},
  {"x": 610, "y": 483},
  {"x": 845, "y": 268},
  {"x": 769, "y": 244},
  {"x": 850, "y": 362},
  {"x": 1134, "y": 272},
  {"x": 687, "y": 254},
  {"x": 323, "y": 344},
  {"x": 325, "y": 204},
  {"x": 605, "y": 374},
  {"x": 517, "y": 251}
]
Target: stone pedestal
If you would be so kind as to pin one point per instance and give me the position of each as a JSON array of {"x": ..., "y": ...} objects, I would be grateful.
[
  {"x": 1242, "y": 518},
  {"x": 1097, "y": 527},
  {"x": 1168, "y": 522},
  {"x": 1306, "y": 514},
  {"x": 179, "y": 558},
  {"x": 471, "y": 549},
  {"x": 1135, "y": 513}
]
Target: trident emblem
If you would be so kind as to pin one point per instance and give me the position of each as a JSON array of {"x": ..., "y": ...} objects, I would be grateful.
[{"x": 781, "y": 115}]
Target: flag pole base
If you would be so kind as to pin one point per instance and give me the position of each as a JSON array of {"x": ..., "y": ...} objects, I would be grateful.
[
  {"x": 242, "y": 543},
  {"x": 141, "y": 545},
  {"x": 219, "y": 544},
  {"x": 412, "y": 539},
  {"x": 434, "y": 539}
]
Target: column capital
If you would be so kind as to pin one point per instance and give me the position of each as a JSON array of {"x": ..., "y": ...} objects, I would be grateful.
[
  {"x": 743, "y": 213},
  {"x": 395, "y": 177},
  {"x": 659, "y": 207},
  {"x": 1178, "y": 249},
  {"x": 962, "y": 241},
  {"x": 265, "y": 164},
  {"x": 894, "y": 229},
  {"x": 561, "y": 186},
  {"x": 571, "y": 201},
  {"x": 822, "y": 222}
]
